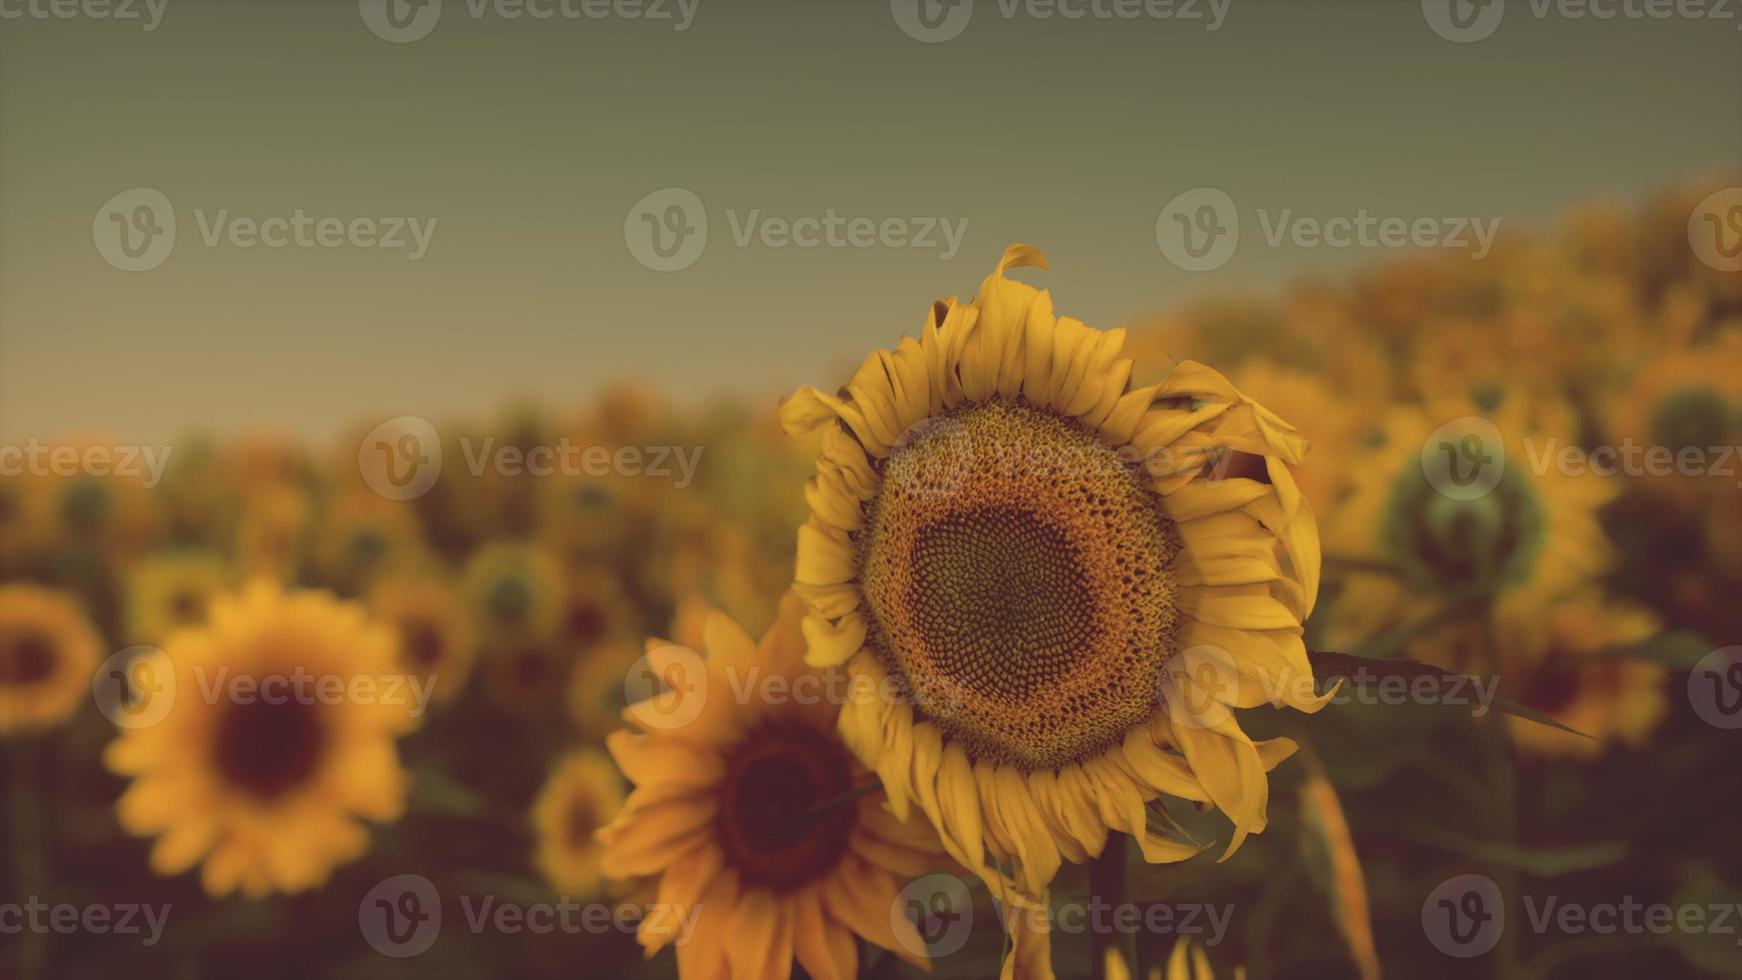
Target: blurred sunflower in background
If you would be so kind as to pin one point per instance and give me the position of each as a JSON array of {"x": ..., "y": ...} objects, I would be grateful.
[
  {"x": 514, "y": 590},
  {"x": 270, "y": 754},
  {"x": 435, "y": 635},
  {"x": 48, "y": 649},
  {"x": 751, "y": 814},
  {"x": 1023, "y": 541},
  {"x": 169, "y": 591},
  {"x": 583, "y": 794}
]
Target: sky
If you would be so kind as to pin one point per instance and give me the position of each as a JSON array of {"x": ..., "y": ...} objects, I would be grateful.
[{"x": 392, "y": 211}]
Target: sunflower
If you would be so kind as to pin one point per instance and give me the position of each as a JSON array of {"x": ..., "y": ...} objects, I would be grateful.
[
  {"x": 1688, "y": 399},
  {"x": 435, "y": 635},
  {"x": 1068, "y": 581},
  {"x": 583, "y": 794},
  {"x": 48, "y": 650},
  {"x": 170, "y": 591},
  {"x": 1188, "y": 962},
  {"x": 599, "y": 625},
  {"x": 279, "y": 740},
  {"x": 514, "y": 590},
  {"x": 361, "y": 537},
  {"x": 1420, "y": 544},
  {"x": 1585, "y": 679},
  {"x": 272, "y": 533},
  {"x": 750, "y": 812}
]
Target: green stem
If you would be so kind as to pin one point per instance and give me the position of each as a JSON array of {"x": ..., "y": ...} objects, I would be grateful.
[{"x": 1107, "y": 887}]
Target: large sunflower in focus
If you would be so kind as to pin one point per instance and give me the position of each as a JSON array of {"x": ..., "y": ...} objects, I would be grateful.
[
  {"x": 48, "y": 650},
  {"x": 261, "y": 780},
  {"x": 750, "y": 816},
  {"x": 1067, "y": 580}
]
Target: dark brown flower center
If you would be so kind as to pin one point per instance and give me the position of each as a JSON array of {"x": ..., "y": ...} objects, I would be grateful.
[
  {"x": 267, "y": 748},
  {"x": 26, "y": 658},
  {"x": 581, "y": 819},
  {"x": 586, "y": 622},
  {"x": 1018, "y": 575},
  {"x": 785, "y": 812},
  {"x": 421, "y": 642}
]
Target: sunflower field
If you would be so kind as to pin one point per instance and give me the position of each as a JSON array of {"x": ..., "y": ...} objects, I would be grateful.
[{"x": 1379, "y": 626}]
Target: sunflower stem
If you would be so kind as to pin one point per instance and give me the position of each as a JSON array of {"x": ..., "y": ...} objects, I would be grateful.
[
  {"x": 1107, "y": 889},
  {"x": 27, "y": 858}
]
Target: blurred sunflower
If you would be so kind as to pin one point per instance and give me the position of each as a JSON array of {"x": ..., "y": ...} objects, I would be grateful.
[
  {"x": 753, "y": 815},
  {"x": 169, "y": 591},
  {"x": 582, "y": 795},
  {"x": 362, "y": 536},
  {"x": 525, "y": 672},
  {"x": 1419, "y": 544},
  {"x": 1335, "y": 421},
  {"x": 514, "y": 590},
  {"x": 1586, "y": 679},
  {"x": 435, "y": 636},
  {"x": 600, "y": 625},
  {"x": 272, "y": 533},
  {"x": 266, "y": 779},
  {"x": 1072, "y": 581},
  {"x": 48, "y": 650},
  {"x": 1686, "y": 400},
  {"x": 1189, "y": 962}
]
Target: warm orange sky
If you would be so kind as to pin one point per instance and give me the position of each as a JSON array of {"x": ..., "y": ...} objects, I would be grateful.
[{"x": 528, "y": 144}]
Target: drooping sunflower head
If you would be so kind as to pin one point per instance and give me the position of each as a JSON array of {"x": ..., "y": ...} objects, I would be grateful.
[
  {"x": 277, "y": 737},
  {"x": 48, "y": 650},
  {"x": 171, "y": 591},
  {"x": 1036, "y": 555},
  {"x": 582, "y": 795},
  {"x": 435, "y": 633},
  {"x": 748, "y": 808}
]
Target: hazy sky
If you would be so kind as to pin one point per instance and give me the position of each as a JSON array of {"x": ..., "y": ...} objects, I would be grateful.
[{"x": 521, "y": 149}]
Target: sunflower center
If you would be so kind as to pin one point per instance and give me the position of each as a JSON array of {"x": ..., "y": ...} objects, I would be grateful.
[
  {"x": 586, "y": 622},
  {"x": 422, "y": 642},
  {"x": 26, "y": 659},
  {"x": 784, "y": 818},
  {"x": 1692, "y": 418},
  {"x": 1454, "y": 546},
  {"x": 184, "y": 607},
  {"x": 1017, "y": 571},
  {"x": 580, "y": 820},
  {"x": 267, "y": 748}
]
